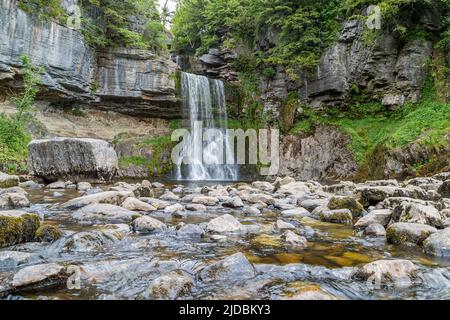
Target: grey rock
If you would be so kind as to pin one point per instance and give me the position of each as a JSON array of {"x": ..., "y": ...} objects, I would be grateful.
[
  {"x": 13, "y": 259},
  {"x": 418, "y": 213},
  {"x": 134, "y": 204},
  {"x": 293, "y": 240},
  {"x": 170, "y": 286},
  {"x": 408, "y": 233},
  {"x": 343, "y": 216},
  {"x": 400, "y": 273},
  {"x": 233, "y": 268},
  {"x": 8, "y": 181},
  {"x": 375, "y": 229},
  {"x": 107, "y": 197},
  {"x": 104, "y": 213},
  {"x": 56, "y": 185},
  {"x": 191, "y": 231},
  {"x": 224, "y": 224},
  {"x": 297, "y": 212},
  {"x": 381, "y": 216},
  {"x": 40, "y": 276},
  {"x": 444, "y": 189},
  {"x": 146, "y": 224},
  {"x": 438, "y": 244},
  {"x": 72, "y": 158}
]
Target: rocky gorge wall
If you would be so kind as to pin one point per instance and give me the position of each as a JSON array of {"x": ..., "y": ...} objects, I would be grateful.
[{"x": 132, "y": 81}]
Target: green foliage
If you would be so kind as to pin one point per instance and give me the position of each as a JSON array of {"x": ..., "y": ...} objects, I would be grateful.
[
  {"x": 44, "y": 9},
  {"x": 13, "y": 136},
  {"x": 426, "y": 123}
]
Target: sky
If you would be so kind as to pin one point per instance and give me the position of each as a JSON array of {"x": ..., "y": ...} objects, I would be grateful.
[{"x": 171, "y": 4}]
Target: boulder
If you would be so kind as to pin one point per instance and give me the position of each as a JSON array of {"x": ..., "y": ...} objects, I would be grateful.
[
  {"x": 158, "y": 204},
  {"x": 83, "y": 186},
  {"x": 72, "y": 158},
  {"x": 48, "y": 233},
  {"x": 13, "y": 201},
  {"x": 293, "y": 240},
  {"x": 371, "y": 195},
  {"x": 134, "y": 204},
  {"x": 311, "y": 204},
  {"x": 170, "y": 286},
  {"x": 401, "y": 273},
  {"x": 234, "y": 202},
  {"x": 169, "y": 196},
  {"x": 39, "y": 277},
  {"x": 381, "y": 216},
  {"x": 89, "y": 241},
  {"x": 196, "y": 207},
  {"x": 408, "y": 233},
  {"x": 251, "y": 211},
  {"x": 297, "y": 212},
  {"x": 173, "y": 208},
  {"x": 107, "y": 197},
  {"x": 232, "y": 268},
  {"x": 224, "y": 224},
  {"x": 375, "y": 230},
  {"x": 207, "y": 201},
  {"x": 418, "y": 213},
  {"x": 343, "y": 216},
  {"x": 8, "y": 181},
  {"x": 17, "y": 227},
  {"x": 263, "y": 186},
  {"x": 438, "y": 244},
  {"x": 146, "y": 224},
  {"x": 345, "y": 202},
  {"x": 281, "y": 225},
  {"x": 104, "y": 213},
  {"x": 56, "y": 185}
]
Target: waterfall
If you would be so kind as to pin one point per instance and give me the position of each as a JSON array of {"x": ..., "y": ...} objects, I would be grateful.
[{"x": 204, "y": 100}]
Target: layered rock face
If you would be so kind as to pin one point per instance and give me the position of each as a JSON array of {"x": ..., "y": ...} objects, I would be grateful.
[
  {"x": 72, "y": 159},
  {"x": 68, "y": 63},
  {"x": 130, "y": 81},
  {"x": 137, "y": 81},
  {"x": 389, "y": 70},
  {"x": 322, "y": 155}
]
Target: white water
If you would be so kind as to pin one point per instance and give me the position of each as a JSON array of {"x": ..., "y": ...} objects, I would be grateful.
[{"x": 204, "y": 100}]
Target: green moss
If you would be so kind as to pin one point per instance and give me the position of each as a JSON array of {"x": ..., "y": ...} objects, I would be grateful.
[
  {"x": 48, "y": 233},
  {"x": 346, "y": 203},
  {"x": 15, "y": 230}
]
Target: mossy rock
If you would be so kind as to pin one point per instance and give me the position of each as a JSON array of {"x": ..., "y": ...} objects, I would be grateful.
[
  {"x": 48, "y": 233},
  {"x": 17, "y": 229},
  {"x": 346, "y": 203}
]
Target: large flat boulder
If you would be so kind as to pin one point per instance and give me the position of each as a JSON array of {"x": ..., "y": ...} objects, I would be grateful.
[{"x": 72, "y": 159}]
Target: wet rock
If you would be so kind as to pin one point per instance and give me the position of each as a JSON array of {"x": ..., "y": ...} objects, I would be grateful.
[
  {"x": 234, "y": 202},
  {"x": 13, "y": 259},
  {"x": 251, "y": 211},
  {"x": 170, "y": 286},
  {"x": 8, "y": 181},
  {"x": 401, "y": 273},
  {"x": 13, "y": 201},
  {"x": 207, "y": 201},
  {"x": 107, "y": 197},
  {"x": 311, "y": 292},
  {"x": 381, "y": 216},
  {"x": 134, "y": 204},
  {"x": 191, "y": 231},
  {"x": 264, "y": 198},
  {"x": 418, "y": 213},
  {"x": 375, "y": 230},
  {"x": 311, "y": 204},
  {"x": 444, "y": 189},
  {"x": 282, "y": 225},
  {"x": 224, "y": 224},
  {"x": 39, "y": 277},
  {"x": 438, "y": 244},
  {"x": 297, "y": 212},
  {"x": 56, "y": 185},
  {"x": 157, "y": 185},
  {"x": 293, "y": 240},
  {"x": 72, "y": 158},
  {"x": 104, "y": 213},
  {"x": 17, "y": 227},
  {"x": 169, "y": 196},
  {"x": 343, "y": 216},
  {"x": 349, "y": 203},
  {"x": 48, "y": 233},
  {"x": 373, "y": 195},
  {"x": 174, "y": 208},
  {"x": 92, "y": 241},
  {"x": 146, "y": 224},
  {"x": 30, "y": 185},
  {"x": 196, "y": 207},
  {"x": 83, "y": 186},
  {"x": 158, "y": 204},
  {"x": 233, "y": 268},
  {"x": 412, "y": 233},
  {"x": 263, "y": 186}
]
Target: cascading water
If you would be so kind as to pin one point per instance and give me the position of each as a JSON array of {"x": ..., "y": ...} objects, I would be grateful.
[{"x": 204, "y": 101}]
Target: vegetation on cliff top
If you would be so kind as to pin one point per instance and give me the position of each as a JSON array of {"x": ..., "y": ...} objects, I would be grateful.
[{"x": 110, "y": 23}]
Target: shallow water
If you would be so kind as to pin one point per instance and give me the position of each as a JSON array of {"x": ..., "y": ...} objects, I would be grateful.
[{"x": 125, "y": 269}]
